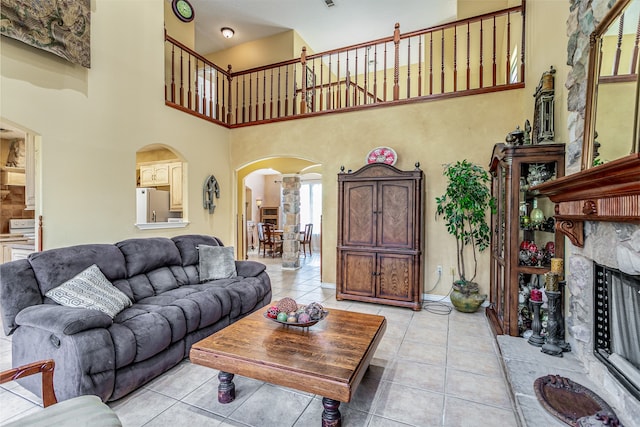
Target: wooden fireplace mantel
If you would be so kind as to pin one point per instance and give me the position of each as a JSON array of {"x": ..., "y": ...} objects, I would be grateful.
[{"x": 609, "y": 192}]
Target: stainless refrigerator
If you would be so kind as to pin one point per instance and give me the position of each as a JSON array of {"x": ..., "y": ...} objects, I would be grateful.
[{"x": 152, "y": 205}]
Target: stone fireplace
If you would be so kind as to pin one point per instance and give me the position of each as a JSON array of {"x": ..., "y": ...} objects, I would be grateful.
[
  {"x": 617, "y": 246},
  {"x": 598, "y": 209}
]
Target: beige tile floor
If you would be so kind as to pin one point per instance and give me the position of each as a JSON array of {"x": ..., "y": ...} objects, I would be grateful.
[{"x": 431, "y": 369}]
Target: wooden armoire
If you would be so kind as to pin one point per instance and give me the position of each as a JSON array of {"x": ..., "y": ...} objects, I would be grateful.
[{"x": 380, "y": 236}]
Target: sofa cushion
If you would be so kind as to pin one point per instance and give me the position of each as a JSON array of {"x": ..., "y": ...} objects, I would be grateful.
[
  {"x": 145, "y": 255},
  {"x": 149, "y": 334},
  {"x": 19, "y": 291},
  {"x": 188, "y": 246},
  {"x": 56, "y": 266},
  {"x": 216, "y": 262},
  {"x": 90, "y": 289}
]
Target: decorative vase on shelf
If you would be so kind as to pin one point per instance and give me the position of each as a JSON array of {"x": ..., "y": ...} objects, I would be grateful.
[{"x": 536, "y": 215}]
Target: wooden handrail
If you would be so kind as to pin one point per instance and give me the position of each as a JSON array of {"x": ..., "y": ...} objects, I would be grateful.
[{"x": 380, "y": 72}]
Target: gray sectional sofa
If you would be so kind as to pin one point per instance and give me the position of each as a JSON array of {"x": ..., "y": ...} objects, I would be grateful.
[{"x": 110, "y": 357}]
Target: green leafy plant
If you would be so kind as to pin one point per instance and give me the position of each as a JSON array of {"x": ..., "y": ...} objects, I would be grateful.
[{"x": 464, "y": 207}]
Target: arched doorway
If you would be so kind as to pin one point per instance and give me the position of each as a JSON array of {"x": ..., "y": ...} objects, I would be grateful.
[{"x": 284, "y": 169}]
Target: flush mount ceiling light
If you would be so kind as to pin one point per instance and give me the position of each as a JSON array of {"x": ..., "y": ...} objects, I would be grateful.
[{"x": 227, "y": 32}]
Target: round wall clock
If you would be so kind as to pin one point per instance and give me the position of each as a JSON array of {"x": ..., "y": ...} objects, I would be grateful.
[
  {"x": 382, "y": 155},
  {"x": 183, "y": 10}
]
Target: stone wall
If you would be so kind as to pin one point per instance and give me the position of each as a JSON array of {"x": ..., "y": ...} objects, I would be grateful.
[{"x": 615, "y": 245}]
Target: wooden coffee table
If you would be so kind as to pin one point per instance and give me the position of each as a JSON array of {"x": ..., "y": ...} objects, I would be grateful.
[{"x": 328, "y": 359}]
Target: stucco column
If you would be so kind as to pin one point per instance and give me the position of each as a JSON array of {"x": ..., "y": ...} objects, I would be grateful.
[{"x": 291, "y": 228}]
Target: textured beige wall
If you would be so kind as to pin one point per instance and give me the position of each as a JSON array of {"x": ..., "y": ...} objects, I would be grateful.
[
  {"x": 91, "y": 122},
  {"x": 432, "y": 133}
]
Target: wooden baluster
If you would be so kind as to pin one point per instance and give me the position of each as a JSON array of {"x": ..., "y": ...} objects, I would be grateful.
[
  {"x": 286, "y": 92},
  {"x": 204, "y": 90},
  {"x": 264, "y": 95},
  {"x": 616, "y": 59},
  {"x": 366, "y": 73},
  {"x": 295, "y": 90},
  {"x": 419, "y": 66},
  {"x": 431, "y": 63},
  {"x": 356, "y": 89},
  {"x": 218, "y": 84},
  {"x": 271, "y": 96},
  {"x": 211, "y": 92},
  {"x": 494, "y": 51},
  {"x": 279, "y": 106},
  {"x": 347, "y": 83},
  {"x": 396, "y": 65},
  {"x": 508, "y": 59},
  {"x": 210, "y": 98},
  {"x": 244, "y": 97},
  {"x": 442, "y": 62},
  {"x": 408, "y": 67},
  {"x": 384, "y": 84},
  {"x": 223, "y": 116},
  {"x": 338, "y": 91},
  {"x": 257, "y": 107},
  {"x": 634, "y": 56},
  {"x": 320, "y": 107},
  {"x": 189, "y": 85},
  {"x": 375, "y": 73},
  {"x": 455, "y": 58},
  {"x": 330, "y": 102},
  {"x": 481, "y": 58},
  {"x": 230, "y": 104},
  {"x": 468, "y": 55},
  {"x": 303, "y": 96},
  {"x": 181, "y": 80},
  {"x": 237, "y": 101},
  {"x": 250, "y": 97},
  {"x": 173, "y": 73},
  {"x": 313, "y": 88},
  {"x": 196, "y": 87}
]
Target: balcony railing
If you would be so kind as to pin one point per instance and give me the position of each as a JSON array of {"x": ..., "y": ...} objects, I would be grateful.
[{"x": 476, "y": 55}]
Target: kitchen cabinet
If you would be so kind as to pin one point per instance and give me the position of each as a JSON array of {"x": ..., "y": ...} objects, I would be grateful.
[
  {"x": 154, "y": 174},
  {"x": 175, "y": 186},
  {"x": 380, "y": 236},
  {"x": 524, "y": 238}
]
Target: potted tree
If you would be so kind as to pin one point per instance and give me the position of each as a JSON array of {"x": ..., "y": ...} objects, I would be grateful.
[{"x": 464, "y": 206}]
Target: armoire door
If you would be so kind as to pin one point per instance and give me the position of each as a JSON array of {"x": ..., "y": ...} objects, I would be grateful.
[
  {"x": 358, "y": 273},
  {"x": 359, "y": 213},
  {"x": 395, "y": 214},
  {"x": 395, "y": 276}
]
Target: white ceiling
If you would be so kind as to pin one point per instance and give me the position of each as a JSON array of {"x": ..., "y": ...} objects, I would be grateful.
[{"x": 322, "y": 28}]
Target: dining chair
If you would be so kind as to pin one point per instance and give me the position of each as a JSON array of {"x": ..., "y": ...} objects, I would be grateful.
[
  {"x": 260, "y": 236},
  {"x": 270, "y": 240},
  {"x": 305, "y": 239}
]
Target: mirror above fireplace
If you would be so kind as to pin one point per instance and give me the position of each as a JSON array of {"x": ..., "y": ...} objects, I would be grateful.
[
  {"x": 608, "y": 186},
  {"x": 611, "y": 115}
]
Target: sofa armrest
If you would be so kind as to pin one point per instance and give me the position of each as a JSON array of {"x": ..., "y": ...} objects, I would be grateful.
[
  {"x": 249, "y": 268},
  {"x": 62, "y": 320}
]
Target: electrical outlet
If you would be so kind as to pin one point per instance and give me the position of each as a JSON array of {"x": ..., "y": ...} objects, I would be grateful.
[{"x": 439, "y": 270}]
